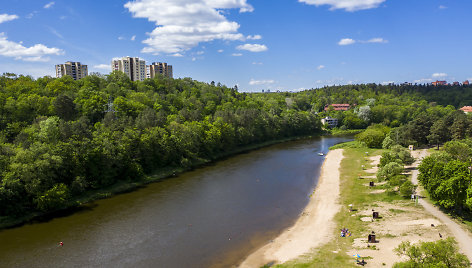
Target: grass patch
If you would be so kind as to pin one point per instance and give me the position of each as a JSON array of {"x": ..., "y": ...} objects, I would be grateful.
[{"x": 349, "y": 144}]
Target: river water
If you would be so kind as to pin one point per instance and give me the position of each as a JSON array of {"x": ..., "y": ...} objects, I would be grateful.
[{"x": 209, "y": 217}]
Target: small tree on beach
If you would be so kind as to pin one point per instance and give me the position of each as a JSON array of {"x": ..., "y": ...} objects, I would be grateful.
[{"x": 442, "y": 253}]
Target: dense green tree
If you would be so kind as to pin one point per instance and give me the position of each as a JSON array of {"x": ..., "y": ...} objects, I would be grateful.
[{"x": 442, "y": 253}]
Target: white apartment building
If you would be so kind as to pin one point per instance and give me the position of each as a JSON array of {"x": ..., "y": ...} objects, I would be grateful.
[
  {"x": 74, "y": 69},
  {"x": 134, "y": 68},
  {"x": 160, "y": 68}
]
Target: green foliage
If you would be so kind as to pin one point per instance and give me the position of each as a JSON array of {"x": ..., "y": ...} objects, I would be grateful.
[
  {"x": 54, "y": 198},
  {"x": 373, "y": 136},
  {"x": 459, "y": 150},
  {"x": 447, "y": 180},
  {"x": 389, "y": 171},
  {"x": 102, "y": 130},
  {"x": 442, "y": 253},
  {"x": 387, "y": 143},
  {"x": 407, "y": 188}
]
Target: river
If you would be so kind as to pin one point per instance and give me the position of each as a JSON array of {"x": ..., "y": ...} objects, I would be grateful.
[{"x": 213, "y": 216}]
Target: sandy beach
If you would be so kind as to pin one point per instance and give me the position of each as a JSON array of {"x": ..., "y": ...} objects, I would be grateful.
[{"x": 315, "y": 225}]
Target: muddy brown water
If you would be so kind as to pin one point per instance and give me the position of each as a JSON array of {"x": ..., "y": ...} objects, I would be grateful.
[{"x": 209, "y": 217}]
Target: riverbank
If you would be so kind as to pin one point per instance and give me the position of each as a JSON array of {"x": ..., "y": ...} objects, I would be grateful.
[
  {"x": 127, "y": 186},
  {"x": 314, "y": 226},
  {"x": 401, "y": 219}
]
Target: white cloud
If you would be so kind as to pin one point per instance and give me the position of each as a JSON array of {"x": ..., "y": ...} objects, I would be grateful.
[
  {"x": 102, "y": 66},
  {"x": 56, "y": 33},
  {"x": 49, "y": 5},
  {"x": 183, "y": 24},
  {"x": 31, "y": 15},
  {"x": 261, "y": 82},
  {"x": 20, "y": 52},
  {"x": 200, "y": 52},
  {"x": 121, "y": 38},
  {"x": 348, "y": 5},
  {"x": 194, "y": 59},
  {"x": 387, "y": 83},
  {"x": 133, "y": 37},
  {"x": 349, "y": 41},
  {"x": 423, "y": 80},
  {"x": 254, "y": 37},
  {"x": 236, "y": 54},
  {"x": 220, "y": 50},
  {"x": 439, "y": 75},
  {"x": 346, "y": 41},
  {"x": 257, "y": 63},
  {"x": 6, "y": 17},
  {"x": 442, "y": 7},
  {"x": 252, "y": 47},
  {"x": 377, "y": 40},
  {"x": 176, "y": 55},
  {"x": 320, "y": 67}
]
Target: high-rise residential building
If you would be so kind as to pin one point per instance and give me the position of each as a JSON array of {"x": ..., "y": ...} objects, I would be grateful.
[
  {"x": 160, "y": 68},
  {"x": 134, "y": 68},
  {"x": 74, "y": 69}
]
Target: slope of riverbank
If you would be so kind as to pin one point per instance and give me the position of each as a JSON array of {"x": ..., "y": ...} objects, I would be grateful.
[
  {"x": 314, "y": 226},
  {"x": 127, "y": 186}
]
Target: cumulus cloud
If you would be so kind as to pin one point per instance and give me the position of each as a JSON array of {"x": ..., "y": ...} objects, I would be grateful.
[
  {"x": 236, "y": 54},
  {"x": 346, "y": 41},
  {"x": 220, "y": 50},
  {"x": 320, "y": 67},
  {"x": 254, "y": 37},
  {"x": 260, "y": 82},
  {"x": 183, "y": 24},
  {"x": 133, "y": 37},
  {"x": 257, "y": 63},
  {"x": 20, "y": 52},
  {"x": 439, "y": 75},
  {"x": 252, "y": 47},
  {"x": 348, "y": 5},
  {"x": 121, "y": 38},
  {"x": 102, "y": 66},
  {"x": 6, "y": 17},
  {"x": 49, "y": 5}
]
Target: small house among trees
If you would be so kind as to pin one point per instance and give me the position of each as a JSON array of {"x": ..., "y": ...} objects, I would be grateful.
[{"x": 331, "y": 122}]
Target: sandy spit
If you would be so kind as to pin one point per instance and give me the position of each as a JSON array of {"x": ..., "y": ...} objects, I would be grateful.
[{"x": 315, "y": 225}]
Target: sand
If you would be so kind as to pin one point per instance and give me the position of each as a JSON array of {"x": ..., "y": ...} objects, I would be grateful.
[{"x": 314, "y": 227}]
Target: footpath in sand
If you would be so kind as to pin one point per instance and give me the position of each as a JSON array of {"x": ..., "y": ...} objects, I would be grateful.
[
  {"x": 462, "y": 236},
  {"x": 315, "y": 225}
]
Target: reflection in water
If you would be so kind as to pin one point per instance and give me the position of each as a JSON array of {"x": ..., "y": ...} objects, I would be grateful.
[{"x": 212, "y": 216}]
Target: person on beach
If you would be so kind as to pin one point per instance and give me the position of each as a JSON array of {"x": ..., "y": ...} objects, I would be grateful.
[{"x": 61, "y": 244}]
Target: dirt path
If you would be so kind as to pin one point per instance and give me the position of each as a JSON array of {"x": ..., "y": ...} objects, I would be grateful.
[{"x": 462, "y": 236}]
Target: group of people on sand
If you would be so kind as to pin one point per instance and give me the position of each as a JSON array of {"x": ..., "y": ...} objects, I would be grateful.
[{"x": 345, "y": 232}]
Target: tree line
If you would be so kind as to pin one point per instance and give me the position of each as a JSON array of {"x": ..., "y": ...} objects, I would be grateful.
[{"x": 61, "y": 138}]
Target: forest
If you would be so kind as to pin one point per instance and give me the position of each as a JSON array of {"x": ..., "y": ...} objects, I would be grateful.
[{"x": 61, "y": 138}]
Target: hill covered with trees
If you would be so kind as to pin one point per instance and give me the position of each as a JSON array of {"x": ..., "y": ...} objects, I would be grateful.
[{"x": 62, "y": 138}]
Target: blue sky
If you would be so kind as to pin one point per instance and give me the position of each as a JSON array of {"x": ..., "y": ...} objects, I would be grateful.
[{"x": 256, "y": 44}]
